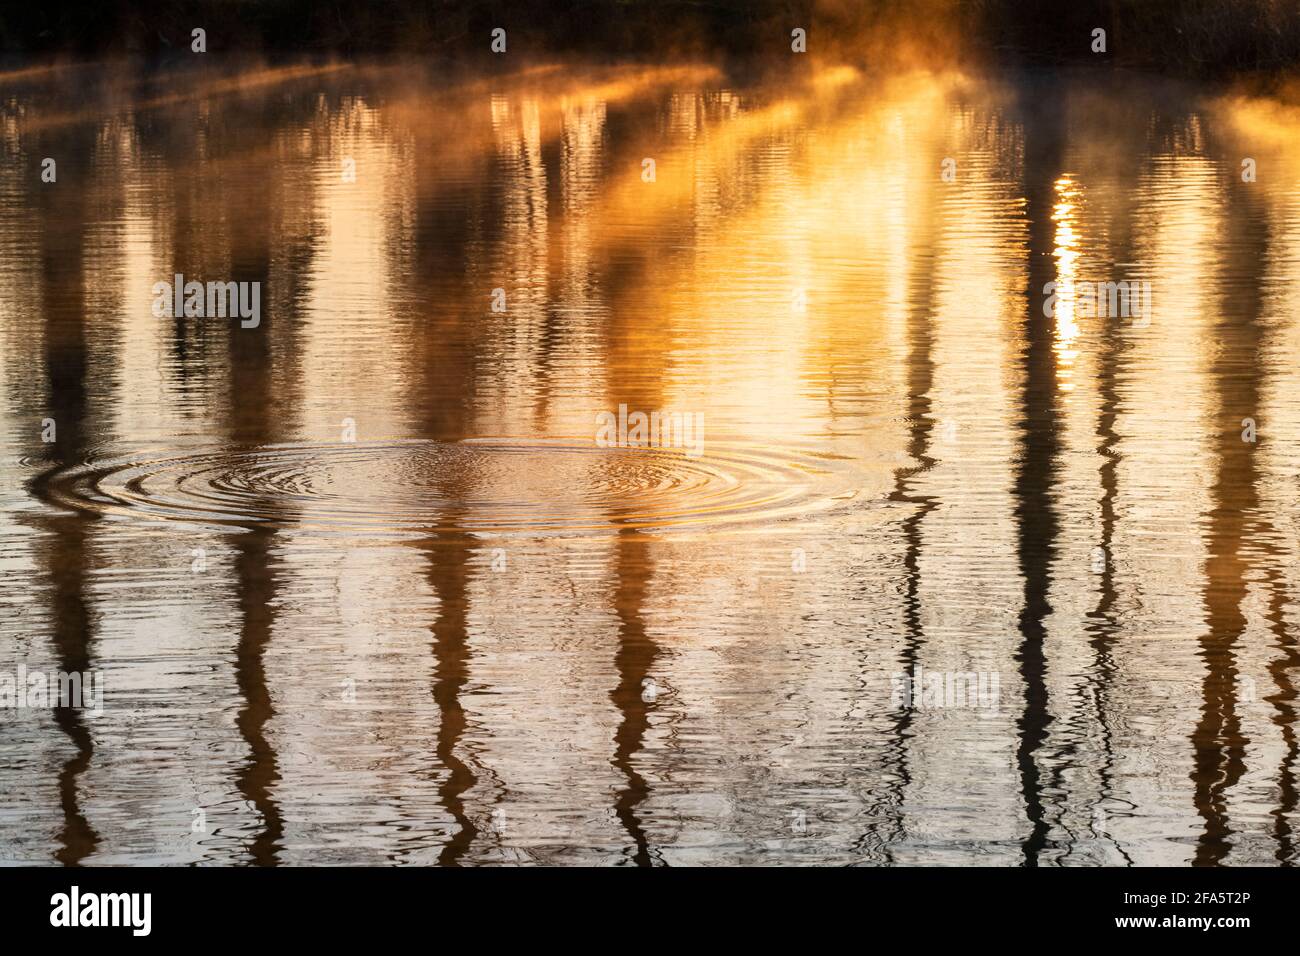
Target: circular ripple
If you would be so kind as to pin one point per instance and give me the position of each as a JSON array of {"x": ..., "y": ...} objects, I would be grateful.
[{"x": 420, "y": 487}]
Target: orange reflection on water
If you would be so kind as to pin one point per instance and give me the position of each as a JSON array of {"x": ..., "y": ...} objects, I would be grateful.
[
  {"x": 890, "y": 479},
  {"x": 1067, "y": 254}
]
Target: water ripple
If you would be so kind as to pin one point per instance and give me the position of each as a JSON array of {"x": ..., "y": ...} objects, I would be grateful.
[{"x": 416, "y": 487}]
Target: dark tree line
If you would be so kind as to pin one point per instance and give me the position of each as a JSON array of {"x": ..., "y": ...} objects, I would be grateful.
[{"x": 1204, "y": 37}]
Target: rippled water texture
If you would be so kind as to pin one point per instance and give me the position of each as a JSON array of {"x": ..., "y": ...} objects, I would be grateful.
[
  {"x": 364, "y": 586},
  {"x": 428, "y": 488}
]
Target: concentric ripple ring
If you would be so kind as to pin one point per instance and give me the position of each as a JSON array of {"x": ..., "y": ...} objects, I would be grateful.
[{"x": 416, "y": 487}]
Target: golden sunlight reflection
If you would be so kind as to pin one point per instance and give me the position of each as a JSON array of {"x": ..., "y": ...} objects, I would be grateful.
[
  {"x": 433, "y": 607},
  {"x": 1067, "y": 254}
]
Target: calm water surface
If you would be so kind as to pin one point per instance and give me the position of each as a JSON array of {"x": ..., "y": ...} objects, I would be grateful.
[{"x": 475, "y": 635}]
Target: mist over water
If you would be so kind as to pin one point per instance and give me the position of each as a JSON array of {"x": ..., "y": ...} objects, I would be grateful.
[{"x": 364, "y": 587}]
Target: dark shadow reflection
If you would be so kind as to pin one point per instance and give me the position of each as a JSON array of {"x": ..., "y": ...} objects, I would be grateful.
[
  {"x": 64, "y": 548},
  {"x": 1280, "y": 670},
  {"x": 641, "y": 387},
  {"x": 449, "y": 575},
  {"x": 258, "y": 778},
  {"x": 447, "y": 381},
  {"x": 254, "y": 416},
  {"x": 1037, "y": 524},
  {"x": 1101, "y": 622},
  {"x": 1218, "y": 742},
  {"x": 636, "y": 656},
  {"x": 907, "y": 484}
]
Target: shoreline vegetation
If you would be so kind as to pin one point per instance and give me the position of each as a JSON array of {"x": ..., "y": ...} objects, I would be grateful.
[{"x": 1206, "y": 38}]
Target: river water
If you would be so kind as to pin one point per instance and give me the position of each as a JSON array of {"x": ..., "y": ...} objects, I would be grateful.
[{"x": 942, "y": 558}]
